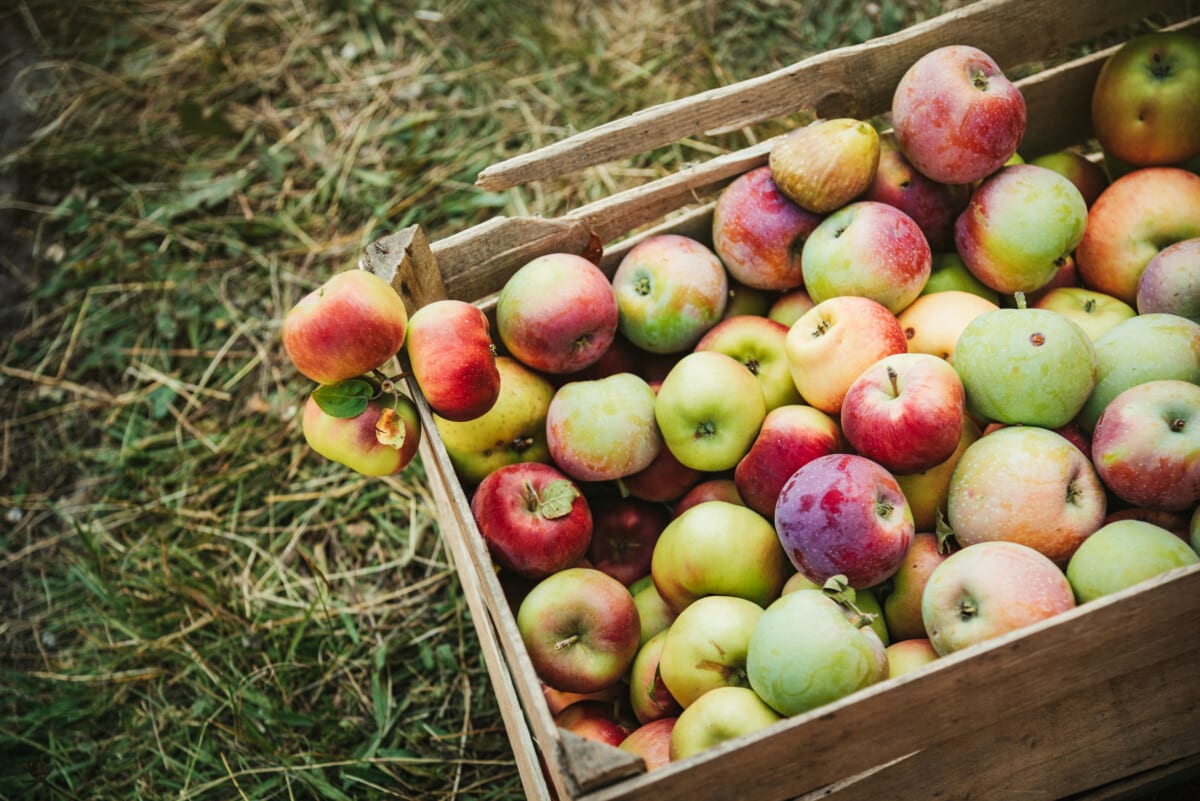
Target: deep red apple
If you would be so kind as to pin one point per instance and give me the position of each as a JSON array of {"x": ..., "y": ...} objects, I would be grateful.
[{"x": 624, "y": 531}]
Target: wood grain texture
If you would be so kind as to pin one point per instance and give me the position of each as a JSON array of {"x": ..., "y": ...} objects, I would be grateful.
[{"x": 853, "y": 81}]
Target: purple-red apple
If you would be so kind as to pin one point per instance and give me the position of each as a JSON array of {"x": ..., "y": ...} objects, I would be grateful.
[
  {"x": 557, "y": 313},
  {"x": 957, "y": 117},
  {"x": 790, "y": 437},
  {"x": 533, "y": 518},
  {"x": 758, "y": 232},
  {"x": 905, "y": 412},
  {"x": 1171, "y": 281},
  {"x": 352, "y": 324},
  {"x": 452, "y": 358},
  {"x": 844, "y": 514},
  {"x": 581, "y": 629}
]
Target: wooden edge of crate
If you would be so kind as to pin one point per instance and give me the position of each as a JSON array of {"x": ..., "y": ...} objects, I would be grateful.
[
  {"x": 476, "y": 262},
  {"x": 854, "y": 81}
]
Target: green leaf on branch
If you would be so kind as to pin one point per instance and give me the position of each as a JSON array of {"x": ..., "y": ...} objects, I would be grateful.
[
  {"x": 557, "y": 498},
  {"x": 345, "y": 398}
]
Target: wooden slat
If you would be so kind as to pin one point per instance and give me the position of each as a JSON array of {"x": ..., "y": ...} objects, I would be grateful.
[
  {"x": 853, "y": 81},
  {"x": 1020, "y": 674}
]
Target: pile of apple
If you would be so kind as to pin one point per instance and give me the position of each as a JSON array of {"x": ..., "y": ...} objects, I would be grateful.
[{"x": 917, "y": 393}]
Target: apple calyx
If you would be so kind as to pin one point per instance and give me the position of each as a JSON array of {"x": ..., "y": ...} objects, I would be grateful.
[
  {"x": 967, "y": 609},
  {"x": 554, "y": 501},
  {"x": 838, "y": 588},
  {"x": 979, "y": 79}
]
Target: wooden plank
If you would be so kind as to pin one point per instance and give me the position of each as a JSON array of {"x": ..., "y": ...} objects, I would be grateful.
[
  {"x": 853, "y": 81},
  {"x": 1017, "y": 674}
]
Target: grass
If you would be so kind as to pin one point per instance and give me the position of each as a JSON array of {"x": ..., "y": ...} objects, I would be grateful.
[{"x": 194, "y": 605}]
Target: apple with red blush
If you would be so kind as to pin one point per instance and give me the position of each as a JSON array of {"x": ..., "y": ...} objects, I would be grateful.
[
  {"x": 452, "y": 358},
  {"x": 604, "y": 428},
  {"x": 652, "y": 742},
  {"x": 624, "y": 531},
  {"x": 1170, "y": 282},
  {"x": 790, "y": 437},
  {"x": 902, "y": 603},
  {"x": 933, "y": 206},
  {"x": 592, "y": 720},
  {"x": 379, "y": 440},
  {"x": 788, "y": 307},
  {"x": 709, "y": 489}
]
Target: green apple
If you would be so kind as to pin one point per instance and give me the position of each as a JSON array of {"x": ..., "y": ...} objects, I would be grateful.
[
  {"x": 709, "y": 409},
  {"x": 705, "y": 646},
  {"x": 513, "y": 430},
  {"x": 1143, "y": 348},
  {"x": 1122, "y": 554},
  {"x": 806, "y": 652},
  {"x": 759, "y": 343},
  {"x": 1088, "y": 176},
  {"x": 1030, "y": 366},
  {"x": 602, "y": 429},
  {"x": 653, "y": 612},
  {"x": 717, "y": 716},
  {"x": 718, "y": 548},
  {"x": 1094, "y": 312}
]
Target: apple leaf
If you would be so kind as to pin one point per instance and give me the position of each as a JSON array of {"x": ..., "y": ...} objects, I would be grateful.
[
  {"x": 389, "y": 429},
  {"x": 345, "y": 398},
  {"x": 946, "y": 539},
  {"x": 557, "y": 498}
]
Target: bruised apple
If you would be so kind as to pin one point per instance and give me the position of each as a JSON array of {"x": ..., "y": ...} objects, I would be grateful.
[{"x": 379, "y": 441}]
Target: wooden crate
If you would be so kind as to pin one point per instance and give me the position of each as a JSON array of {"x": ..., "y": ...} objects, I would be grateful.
[{"x": 1095, "y": 703}]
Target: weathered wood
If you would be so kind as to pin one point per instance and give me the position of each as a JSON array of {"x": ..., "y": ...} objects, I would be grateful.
[
  {"x": 853, "y": 81},
  {"x": 405, "y": 260}
]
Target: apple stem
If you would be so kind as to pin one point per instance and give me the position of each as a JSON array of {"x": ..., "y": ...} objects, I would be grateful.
[
  {"x": 566, "y": 642},
  {"x": 1020, "y": 298},
  {"x": 891, "y": 374}
]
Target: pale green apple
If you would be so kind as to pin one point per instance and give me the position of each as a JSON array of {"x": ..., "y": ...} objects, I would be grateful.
[
  {"x": 1123, "y": 553},
  {"x": 1094, "y": 312},
  {"x": 949, "y": 271},
  {"x": 705, "y": 646},
  {"x": 718, "y": 716}
]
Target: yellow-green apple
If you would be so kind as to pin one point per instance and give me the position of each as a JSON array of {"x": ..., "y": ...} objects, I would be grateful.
[
  {"x": 653, "y": 612},
  {"x": 723, "y": 714},
  {"x": 909, "y": 655},
  {"x": 861, "y": 607},
  {"x": 718, "y": 548},
  {"x": 806, "y": 652},
  {"x": 826, "y": 164},
  {"x": 1028, "y": 485},
  {"x": 1170, "y": 282},
  {"x": 513, "y": 430},
  {"x": 593, "y": 720},
  {"x": 1146, "y": 99},
  {"x": 834, "y": 341},
  {"x": 652, "y": 742},
  {"x": 705, "y": 646},
  {"x": 452, "y": 358},
  {"x": 649, "y": 697},
  {"x": 1138, "y": 215},
  {"x": 932, "y": 205},
  {"x": 1146, "y": 347},
  {"x": 758, "y": 231},
  {"x": 951, "y": 272},
  {"x": 710, "y": 489},
  {"x": 670, "y": 289},
  {"x": 581, "y": 629},
  {"x": 603, "y": 429},
  {"x": 933, "y": 322},
  {"x": 380, "y": 440},
  {"x": 1088, "y": 176},
  {"x": 844, "y": 514},
  {"x": 1094, "y": 312},
  {"x": 745, "y": 299},
  {"x": 902, "y": 604},
  {"x": 789, "y": 306},
  {"x": 1123, "y": 553},
  {"x": 1031, "y": 366},
  {"x": 709, "y": 409},
  {"x": 989, "y": 589},
  {"x": 1146, "y": 445},
  {"x": 533, "y": 518},
  {"x": 624, "y": 531},
  {"x": 760, "y": 344},
  {"x": 351, "y": 324},
  {"x": 664, "y": 480},
  {"x": 557, "y": 313},
  {"x": 869, "y": 249},
  {"x": 905, "y": 412},
  {"x": 957, "y": 117},
  {"x": 791, "y": 436},
  {"x": 928, "y": 491},
  {"x": 1018, "y": 225}
]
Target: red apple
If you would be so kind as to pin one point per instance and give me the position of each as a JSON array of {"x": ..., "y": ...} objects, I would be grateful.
[
  {"x": 580, "y": 627},
  {"x": 624, "y": 531},
  {"x": 652, "y": 742},
  {"x": 533, "y": 517},
  {"x": 844, "y": 514},
  {"x": 902, "y": 604},
  {"x": 648, "y": 694},
  {"x": 990, "y": 589},
  {"x": 711, "y": 489},
  {"x": 452, "y": 358},
  {"x": 592, "y": 720},
  {"x": 379, "y": 441},
  {"x": 905, "y": 412},
  {"x": 758, "y": 232},
  {"x": 664, "y": 480},
  {"x": 1146, "y": 445},
  {"x": 933, "y": 206},
  {"x": 557, "y": 313},
  {"x": 957, "y": 118},
  {"x": 791, "y": 436},
  {"x": 350, "y": 325}
]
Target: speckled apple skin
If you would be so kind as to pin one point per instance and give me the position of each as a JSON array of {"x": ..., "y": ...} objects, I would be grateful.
[
  {"x": 790, "y": 437},
  {"x": 844, "y": 514}
]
